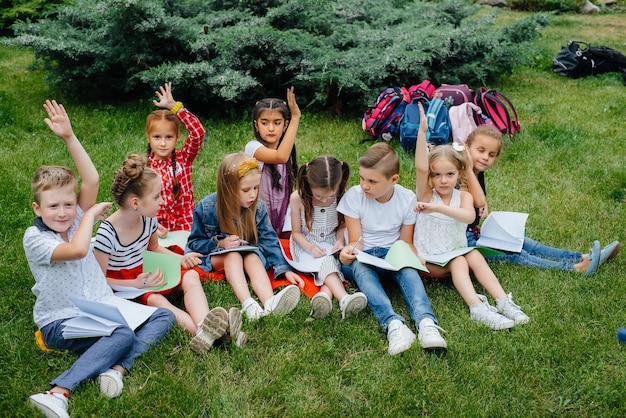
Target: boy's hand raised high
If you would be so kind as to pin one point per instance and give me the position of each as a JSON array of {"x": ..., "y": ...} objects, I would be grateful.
[{"x": 57, "y": 120}]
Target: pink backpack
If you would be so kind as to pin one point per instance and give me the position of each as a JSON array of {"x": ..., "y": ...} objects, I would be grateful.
[
  {"x": 499, "y": 109},
  {"x": 463, "y": 120}
]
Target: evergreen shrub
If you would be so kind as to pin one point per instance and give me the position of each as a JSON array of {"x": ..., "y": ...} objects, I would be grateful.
[{"x": 222, "y": 55}]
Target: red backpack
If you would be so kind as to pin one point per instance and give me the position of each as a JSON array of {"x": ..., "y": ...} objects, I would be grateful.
[
  {"x": 497, "y": 107},
  {"x": 381, "y": 120}
]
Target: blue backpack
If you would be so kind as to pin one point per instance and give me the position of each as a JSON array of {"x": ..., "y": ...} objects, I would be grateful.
[{"x": 438, "y": 123}]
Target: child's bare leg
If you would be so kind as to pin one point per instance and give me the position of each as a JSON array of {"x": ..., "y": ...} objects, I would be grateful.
[
  {"x": 583, "y": 265},
  {"x": 334, "y": 287},
  {"x": 235, "y": 275},
  {"x": 459, "y": 270},
  {"x": 61, "y": 389},
  {"x": 182, "y": 318},
  {"x": 483, "y": 273},
  {"x": 194, "y": 297},
  {"x": 259, "y": 280}
]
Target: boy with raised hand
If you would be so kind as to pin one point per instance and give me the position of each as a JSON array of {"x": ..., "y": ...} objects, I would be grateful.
[
  {"x": 58, "y": 253},
  {"x": 378, "y": 213}
]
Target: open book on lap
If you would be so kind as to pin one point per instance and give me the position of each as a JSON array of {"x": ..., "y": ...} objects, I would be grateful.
[
  {"x": 444, "y": 258},
  {"x": 399, "y": 256},
  {"x": 241, "y": 248},
  {"x": 503, "y": 231},
  {"x": 307, "y": 263},
  {"x": 100, "y": 318}
]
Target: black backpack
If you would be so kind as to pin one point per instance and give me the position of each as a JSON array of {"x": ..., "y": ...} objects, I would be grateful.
[{"x": 574, "y": 61}]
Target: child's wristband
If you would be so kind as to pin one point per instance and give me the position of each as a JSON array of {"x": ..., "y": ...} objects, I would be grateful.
[{"x": 176, "y": 108}]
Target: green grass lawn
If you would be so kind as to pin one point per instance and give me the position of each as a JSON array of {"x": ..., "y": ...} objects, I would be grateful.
[{"x": 567, "y": 169}]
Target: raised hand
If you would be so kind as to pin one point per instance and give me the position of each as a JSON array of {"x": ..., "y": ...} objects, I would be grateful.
[
  {"x": 293, "y": 106},
  {"x": 164, "y": 94},
  {"x": 57, "y": 120}
]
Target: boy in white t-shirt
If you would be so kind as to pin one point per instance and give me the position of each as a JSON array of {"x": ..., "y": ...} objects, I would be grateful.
[
  {"x": 378, "y": 213},
  {"x": 58, "y": 252}
]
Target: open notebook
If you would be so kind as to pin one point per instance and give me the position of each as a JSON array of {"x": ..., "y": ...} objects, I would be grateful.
[
  {"x": 503, "y": 231},
  {"x": 399, "y": 256},
  {"x": 99, "y": 319}
]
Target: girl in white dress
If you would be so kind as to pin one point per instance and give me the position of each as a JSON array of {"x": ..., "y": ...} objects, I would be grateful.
[
  {"x": 443, "y": 214},
  {"x": 316, "y": 222}
]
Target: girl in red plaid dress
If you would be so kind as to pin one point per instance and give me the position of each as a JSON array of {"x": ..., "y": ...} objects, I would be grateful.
[{"x": 174, "y": 166}]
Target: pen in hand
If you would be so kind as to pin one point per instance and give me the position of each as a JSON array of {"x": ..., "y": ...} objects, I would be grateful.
[
  {"x": 355, "y": 244},
  {"x": 241, "y": 241}
]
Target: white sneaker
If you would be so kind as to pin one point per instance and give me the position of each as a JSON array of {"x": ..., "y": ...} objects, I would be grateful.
[
  {"x": 488, "y": 315},
  {"x": 352, "y": 304},
  {"x": 213, "y": 327},
  {"x": 428, "y": 334},
  {"x": 400, "y": 337},
  {"x": 284, "y": 301},
  {"x": 321, "y": 305},
  {"x": 111, "y": 383},
  {"x": 506, "y": 307},
  {"x": 53, "y": 405},
  {"x": 253, "y": 310}
]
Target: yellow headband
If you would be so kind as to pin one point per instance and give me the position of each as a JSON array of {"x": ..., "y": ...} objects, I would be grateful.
[{"x": 247, "y": 165}]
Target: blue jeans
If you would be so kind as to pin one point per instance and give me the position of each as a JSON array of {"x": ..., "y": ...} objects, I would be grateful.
[
  {"x": 535, "y": 254},
  {"x": 98, "y": 354},
  {"x": 368, "y": 279}
]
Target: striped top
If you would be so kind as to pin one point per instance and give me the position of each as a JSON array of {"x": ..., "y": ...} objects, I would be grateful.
[
  {"x": 124, "y": 256},
  {"x": 324, "y": 225}
]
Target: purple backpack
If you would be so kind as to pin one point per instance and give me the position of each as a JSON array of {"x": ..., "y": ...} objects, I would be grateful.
[{"x": 454, "y": 94}]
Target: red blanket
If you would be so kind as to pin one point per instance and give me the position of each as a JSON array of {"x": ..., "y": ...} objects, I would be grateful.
[{"x": 309, "y": 286}]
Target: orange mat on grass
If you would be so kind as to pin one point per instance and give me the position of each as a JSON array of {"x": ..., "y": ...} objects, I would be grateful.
[{"x": 310, "y": 289}]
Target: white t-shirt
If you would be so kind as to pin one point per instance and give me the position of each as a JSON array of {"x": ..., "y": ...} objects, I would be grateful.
[
  {"x": 250, "y": 150},
  {"x": 57, "y": 281},
  {"x": 380, "y": 222}
]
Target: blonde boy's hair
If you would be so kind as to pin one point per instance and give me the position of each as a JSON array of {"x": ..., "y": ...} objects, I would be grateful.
[
  {"x": 231, "y": 216},
  {"x": 382, "y": 157},
  {"x": 52, "y": 177},
  {"x": 485, "y": 130}
]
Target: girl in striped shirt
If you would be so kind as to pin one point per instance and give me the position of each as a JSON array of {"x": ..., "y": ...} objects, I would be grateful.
[{"x": 122, "y": 239}]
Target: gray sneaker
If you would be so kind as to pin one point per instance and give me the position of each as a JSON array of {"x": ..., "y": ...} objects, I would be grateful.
[
  {"x": 234, "y": 332},
  {"x": 486, "y": 314},
  {"x": 284, "y": 301},
  {"x": 214, "y": 327},
  {"x": 506, "y": 307},
  {"x": 353, "y": 304},
  {"x": 321, "y": 305}
]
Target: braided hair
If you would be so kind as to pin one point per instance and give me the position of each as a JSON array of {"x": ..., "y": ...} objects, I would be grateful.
[{"x": 159, "y": 115}]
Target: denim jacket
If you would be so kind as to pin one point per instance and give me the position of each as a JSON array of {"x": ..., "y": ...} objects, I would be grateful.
[{"x": 205, "y": 232}]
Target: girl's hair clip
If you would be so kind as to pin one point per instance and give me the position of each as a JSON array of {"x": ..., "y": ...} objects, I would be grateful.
[{"x": 270, "y": 102}]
